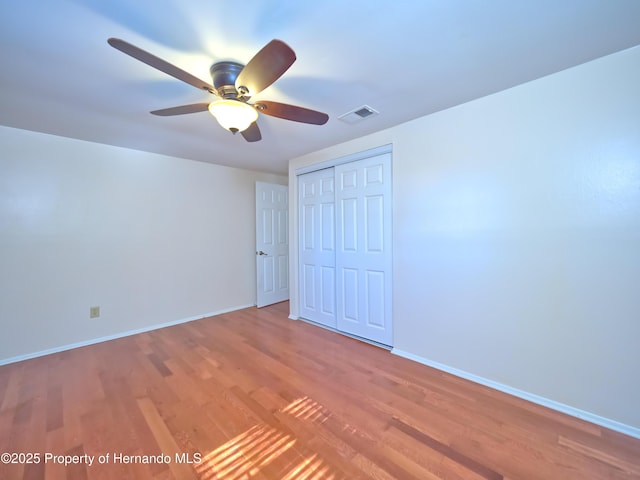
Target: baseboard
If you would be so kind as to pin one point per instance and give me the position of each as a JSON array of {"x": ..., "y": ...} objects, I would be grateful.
[
  {"x": 545, "y": 402},
  {"x": 128, "y": 333},
  {"x": 294, "y": 317}
]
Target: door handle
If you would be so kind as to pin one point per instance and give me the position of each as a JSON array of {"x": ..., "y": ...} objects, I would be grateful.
[{"x": 261, "y": 253}]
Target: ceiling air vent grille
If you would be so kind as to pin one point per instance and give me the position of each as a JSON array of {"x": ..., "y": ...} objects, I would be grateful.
[{"x": 358, "y": 114}]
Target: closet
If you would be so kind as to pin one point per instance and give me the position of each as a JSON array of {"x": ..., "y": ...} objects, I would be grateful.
[{"x": 344, "y": 254}]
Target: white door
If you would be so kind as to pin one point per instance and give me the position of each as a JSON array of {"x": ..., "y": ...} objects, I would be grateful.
[
  {"x": 272, "y": 243},
  {"x": 363, "y": 250},
  {"x": 317, "y": 253}
]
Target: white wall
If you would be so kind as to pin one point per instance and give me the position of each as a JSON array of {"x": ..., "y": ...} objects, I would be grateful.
[
  {"x": 517, "y": 237},
  {"x": 150, "y": 239}
]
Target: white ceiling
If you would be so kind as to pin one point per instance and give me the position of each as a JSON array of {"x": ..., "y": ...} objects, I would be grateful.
[{"x": 405, "y": 58}]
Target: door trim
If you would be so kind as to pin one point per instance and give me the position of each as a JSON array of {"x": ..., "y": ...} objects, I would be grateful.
[{"x": 373, "y": 152}]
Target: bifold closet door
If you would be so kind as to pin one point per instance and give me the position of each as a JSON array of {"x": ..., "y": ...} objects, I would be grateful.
[
  {"x": 317, "y": 253},
  {"x": 363, "y": 248}
]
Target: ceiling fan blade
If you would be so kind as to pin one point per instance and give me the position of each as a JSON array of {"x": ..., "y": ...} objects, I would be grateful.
[
  {"x": 252, "y": 134},
  {"x": 182, "y": 109},
  {"x": 265, "y": 68},
  {"x": 160, "y": 64},
  {"x": 291, "y": 112}
]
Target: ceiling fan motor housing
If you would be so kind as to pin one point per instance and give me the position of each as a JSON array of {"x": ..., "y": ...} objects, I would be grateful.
[{"x": 224, "y": 76}]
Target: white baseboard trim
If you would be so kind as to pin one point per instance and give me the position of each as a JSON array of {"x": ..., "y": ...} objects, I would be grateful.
[
  {"x": 28, "y": 356},
  {"x": 294, "y": 317},
  {"x": 545, "y": 402}
]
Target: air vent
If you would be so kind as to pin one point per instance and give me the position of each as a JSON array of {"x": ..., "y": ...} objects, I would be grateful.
[{"x": 358, "y": 114}]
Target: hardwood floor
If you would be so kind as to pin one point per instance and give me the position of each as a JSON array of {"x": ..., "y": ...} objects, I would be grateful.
[{"x": 253, "y": 395}]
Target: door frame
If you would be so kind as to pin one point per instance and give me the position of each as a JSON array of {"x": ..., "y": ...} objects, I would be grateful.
[{"x": 373, "y": 152}]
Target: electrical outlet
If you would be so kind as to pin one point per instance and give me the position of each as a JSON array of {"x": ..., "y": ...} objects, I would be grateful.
[{"x": 94, "y": 312}]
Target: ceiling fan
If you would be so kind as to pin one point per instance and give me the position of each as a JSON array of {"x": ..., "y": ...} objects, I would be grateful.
[{"x": 234, "y": 84}]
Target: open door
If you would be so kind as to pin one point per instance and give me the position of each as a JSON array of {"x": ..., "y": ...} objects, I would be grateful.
[{"x": 272, "y": 243}]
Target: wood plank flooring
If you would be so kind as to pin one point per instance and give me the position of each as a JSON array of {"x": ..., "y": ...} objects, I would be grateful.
[{"x": 253, "y": 395}]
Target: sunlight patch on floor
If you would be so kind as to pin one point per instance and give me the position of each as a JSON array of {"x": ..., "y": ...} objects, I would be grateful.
[
  {"x": 243, "y": 456},
  {"x": 247, "y": 454},
  {"x": 307, "y": 409}
]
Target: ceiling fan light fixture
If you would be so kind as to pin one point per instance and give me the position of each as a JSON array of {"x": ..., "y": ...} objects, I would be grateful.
[{"x": 233, "y": 115}]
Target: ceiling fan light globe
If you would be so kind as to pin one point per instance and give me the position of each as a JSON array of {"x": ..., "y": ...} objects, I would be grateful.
[{"x": 233, "y": 115}]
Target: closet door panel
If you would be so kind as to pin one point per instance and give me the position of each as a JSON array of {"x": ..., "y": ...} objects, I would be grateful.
[
  {"x": 363, "y": 252},
  {"x": 316, "y": 195}
]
